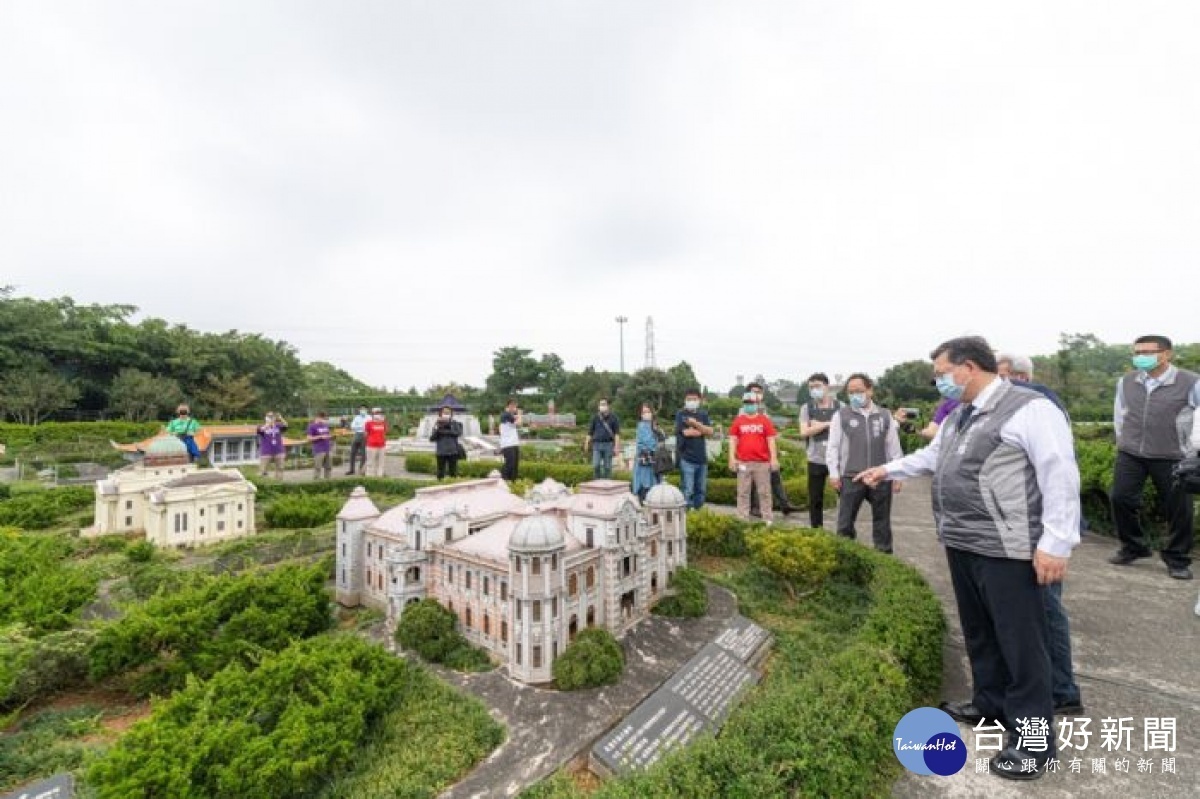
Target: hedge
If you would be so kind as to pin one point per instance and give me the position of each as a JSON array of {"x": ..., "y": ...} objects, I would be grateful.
[
  {"x": 689, "y": 597},
  {"x": 721, "y": 490},
  {"x": 303, "y": 510},
  {"x": 848, "y": 663},
  {"x": 40, "y": 510},
  {"x": 593, "y": 659},
  {"x": 281, "y": 729}
]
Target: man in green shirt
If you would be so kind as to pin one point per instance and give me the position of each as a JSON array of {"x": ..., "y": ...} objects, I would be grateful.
[{"x": 185, "y": 427}]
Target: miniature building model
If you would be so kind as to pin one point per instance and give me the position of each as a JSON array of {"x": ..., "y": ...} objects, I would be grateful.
[
  {"x": 522, "y": 575},
  {"x": 223, "y": 445},
  {"x": 172, "y": 501}
]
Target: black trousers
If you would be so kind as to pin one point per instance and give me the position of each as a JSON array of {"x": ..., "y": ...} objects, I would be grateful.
[
  {"x": 851, "y": 501},
  {"x": 818, "y": 474},
  {"x": 512, "y": 460},
  {"x": 1003, "y": 619},
  {"x": 1129, "y": 476},
  {"x": 447, "y": 464},
  {"x": 358, "y": 451},
  {"x": 781, "y": 501}
]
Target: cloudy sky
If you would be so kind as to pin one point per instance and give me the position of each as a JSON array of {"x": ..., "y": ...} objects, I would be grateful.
[{"x": 403, "y": 187}]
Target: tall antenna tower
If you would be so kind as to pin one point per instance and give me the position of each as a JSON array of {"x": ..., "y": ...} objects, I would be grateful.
[{"x": 650, "y": 359}]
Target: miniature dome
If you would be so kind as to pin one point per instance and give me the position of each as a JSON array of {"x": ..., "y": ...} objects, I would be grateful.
[
  {"x": 536, "y": 533},
  {"x": 664, "y": 495},
  {"x": 166, "y": 447}
]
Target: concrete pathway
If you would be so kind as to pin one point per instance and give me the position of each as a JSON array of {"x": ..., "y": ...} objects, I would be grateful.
[
  {"x": 1136, "y": 646},
  {"x": 547, "y": 728}
]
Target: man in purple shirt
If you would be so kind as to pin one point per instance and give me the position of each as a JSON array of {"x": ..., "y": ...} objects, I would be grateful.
[
  {"x": 322, "y": 445},
  {"x": 271, "y": 449}
]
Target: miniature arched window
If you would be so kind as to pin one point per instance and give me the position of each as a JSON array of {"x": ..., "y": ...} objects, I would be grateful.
[
  {"x": 654, "y": 549},
  {"x": 504, "y": 631},
  {"x": 537, "y": 566},
  {"x": 487, "y": 624},
  {"x": 417, "y": 542},
  {"x": 468, "y": 622},
  {"x": 554, "y": 563},
  {"x": 591, "y": 617},
  {"x": 654, "y": 518},
  {"x": 654, "y": 584},
  {"x": 573, "y": 584},
  {"x": 591, "y": 577}
]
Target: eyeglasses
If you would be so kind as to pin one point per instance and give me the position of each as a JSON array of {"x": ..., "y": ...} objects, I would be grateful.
[{"x": 1147, "y": 352}]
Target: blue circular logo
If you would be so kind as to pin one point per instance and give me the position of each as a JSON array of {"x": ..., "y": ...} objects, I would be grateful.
[{"x": 926, "y": 742}]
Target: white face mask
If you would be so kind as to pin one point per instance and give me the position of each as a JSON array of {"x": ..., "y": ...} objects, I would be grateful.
[
  {"x": 647, "y": 417},
  {"x": 816, "y": 392},
  {"x": 691, "y": 404}
]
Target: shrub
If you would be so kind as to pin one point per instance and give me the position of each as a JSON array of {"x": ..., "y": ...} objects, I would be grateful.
[
  {"x": 140, "y": 552},
  {"x": 282, "y": 729},
  {"x": 33, "y": 667},
  {"x": 43, "y": 509},
  {"x": 594, "y": 658},
  {"x": 431, "y": 631},
  {"x": 47, "y": 743},
  {"x": 40, "y": 586},
  {"x": 5, "y": 491},
  {"x": 690, "y": 597},
  {"x": 803, "y": 560},
  {"x": 716, "y": 534},
  {"x": 210, "y": 623},
  {"x": 297, "y": 511}
]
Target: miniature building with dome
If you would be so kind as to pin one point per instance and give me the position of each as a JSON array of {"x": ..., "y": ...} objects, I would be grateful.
[
  {"x": 173, "y": 502},
  {"x": 523, "y": 575}
]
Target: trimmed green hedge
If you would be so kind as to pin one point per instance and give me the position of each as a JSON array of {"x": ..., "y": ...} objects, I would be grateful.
[
  {"x": 849, "y": 661},
  {"x": 593, "y": 659},
  {"x": 303, "y": 510},
  {"x": 689, "y": 597},
  {"x": 721, "y": 490},
  {"x": 40, "y": 510}
]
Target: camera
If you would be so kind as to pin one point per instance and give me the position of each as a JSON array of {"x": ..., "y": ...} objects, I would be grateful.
[{"x": 911, "y": 414}]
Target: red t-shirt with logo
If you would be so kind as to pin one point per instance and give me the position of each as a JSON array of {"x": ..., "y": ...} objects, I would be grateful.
[
  {"x": 376, "y": 434},
  {"x": 752, "y": 433}
]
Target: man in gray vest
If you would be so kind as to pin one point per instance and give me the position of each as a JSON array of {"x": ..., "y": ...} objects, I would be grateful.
[
  {"x": 862, "y": 435},
  {"x": 1157, "y": 426},
  {"x": 816, "y": 417},
  {"x": 1006, "y": 505}
]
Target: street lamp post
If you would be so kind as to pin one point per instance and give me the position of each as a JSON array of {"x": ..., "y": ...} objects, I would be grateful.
[{"x": 621, "y": 320}]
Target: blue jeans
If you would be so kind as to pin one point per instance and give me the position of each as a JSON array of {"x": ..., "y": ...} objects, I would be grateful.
[
  {"x": 694, "y": 480},
  {"x": 602, "y": 455},
  {"x": 1058, "y": 642}
]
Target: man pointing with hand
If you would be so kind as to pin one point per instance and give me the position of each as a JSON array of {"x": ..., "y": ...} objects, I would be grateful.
[{"x": 1006, "y": 505}]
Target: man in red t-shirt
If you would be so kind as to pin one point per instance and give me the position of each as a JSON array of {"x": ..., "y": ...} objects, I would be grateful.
[
  {"x": 376, "y": 430},
  {"x": 752, "y": 456}
]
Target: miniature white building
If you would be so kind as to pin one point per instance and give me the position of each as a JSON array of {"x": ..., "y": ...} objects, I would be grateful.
[
  {"x": 172, "y": 501},
  {"x": 523, "y": 576}
]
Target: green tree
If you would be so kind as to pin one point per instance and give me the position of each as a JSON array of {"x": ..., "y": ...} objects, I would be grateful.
[
  {"x": 906, "y": 383},
  {"x": 594, "y": 658},
  {"x": 226, "y": 396},
  {"x": 428, "y": 629},
  {"x": 552, "y": 376},
  {"x": 513, "y": 369},
  {"x": 32, "y": 393},
  {"x": 140, "y": 397},
  {"x": 654, "y": 386}
]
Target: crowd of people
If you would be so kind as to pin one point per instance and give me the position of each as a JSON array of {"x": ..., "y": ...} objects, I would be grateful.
[{"x": 1005, "y": 494}]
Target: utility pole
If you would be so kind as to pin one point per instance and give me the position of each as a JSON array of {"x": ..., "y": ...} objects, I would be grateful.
[
  {"x": 651, "y": 360},
  {"x": 621, "y": 320}
]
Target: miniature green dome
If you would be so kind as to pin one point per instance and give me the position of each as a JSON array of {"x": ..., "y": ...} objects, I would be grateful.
[{"x": 166, "y": 446}]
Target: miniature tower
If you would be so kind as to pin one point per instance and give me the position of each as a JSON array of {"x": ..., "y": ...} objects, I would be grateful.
[
  {"x": 354, "y": 517},
  {"x": 667, "y": 504},
  {"x": 536, "y": 567}
]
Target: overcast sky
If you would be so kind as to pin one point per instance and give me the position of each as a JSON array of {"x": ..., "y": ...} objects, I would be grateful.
[{"x": 403, "y": 187}]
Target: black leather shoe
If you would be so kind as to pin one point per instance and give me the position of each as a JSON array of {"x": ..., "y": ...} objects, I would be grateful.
[
  {"x": 1013, "y": 764},
  {"x": 966, "y": 712},
  {"x": 1124, "y": 558},
  {"x": 1180, "y": 572},
  {"x": 1074, "y": 708}
]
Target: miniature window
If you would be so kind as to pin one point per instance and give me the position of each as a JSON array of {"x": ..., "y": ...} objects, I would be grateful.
[
  {"x": 487, "y": 625},
  {"x": 129, "y": 504},
  {"x": 573, "y": 584},
  {"x": 467, "y": 581},
  {"x": 504, "y": 632},
  {"x": 554, "y": 563},
  {"x": 221, "y": 526},
  {"x": 654, "y": 518},
  {"x": 518, "y": 565},
  {"x": 537, "y": 657},
  {"x": 590, "y": 533},
  {"x": 221, "y": 508},
  {"x": 670, "y": 516},
  {"x": 591, "y": 577},
  {"x": 129, "y": 521},
  {"x": 468, "y": 615},
  {"x": 537, "y": 610},
  {"x": 239, "y": 506},
  {"x": 485, "y": 586},
  {"x": 503, "y": 592},
  {"x": 518, "y": 654},
  {"x": 670, "y": 548},
  {"x": 554, "y": 607},
  {"x": 654, "y": 549},
  {"x": 537, "y": 566}
]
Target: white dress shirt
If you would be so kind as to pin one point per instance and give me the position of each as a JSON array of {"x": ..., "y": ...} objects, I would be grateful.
[
  {"x": 1041, "y": 430},
  {"x": 833, "y": 454}
]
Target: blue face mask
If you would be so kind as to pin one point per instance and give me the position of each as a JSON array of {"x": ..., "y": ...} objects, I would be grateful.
[
  {"x": 858, "y": 400},
  {"x": 750, "y": 408},
  {"x": 1145, "y": 362},
  {"x": 817, "y": 393},
  {"x": 948, "y": 388}
]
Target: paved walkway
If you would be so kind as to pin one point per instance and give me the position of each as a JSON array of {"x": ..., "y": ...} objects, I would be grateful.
[
  {"x": 1137, "y": 654},
  {"x": 547, "y": 728}
]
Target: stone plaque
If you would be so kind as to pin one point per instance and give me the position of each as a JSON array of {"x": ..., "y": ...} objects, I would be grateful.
[
  {"x": 743, "y": 638},
  {"x": 60, "y": 786},
  {"x": 697, "y": 697}
]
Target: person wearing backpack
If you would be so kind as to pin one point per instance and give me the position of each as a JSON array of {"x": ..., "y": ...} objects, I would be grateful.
[
  {"x": 862, "y": 435},
  {"x": 816, "y": 417}
]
